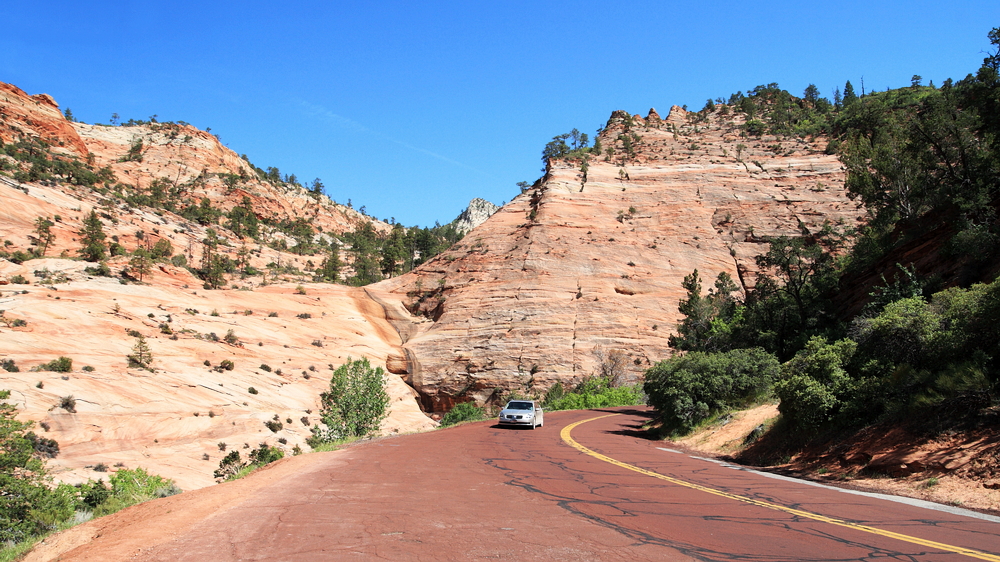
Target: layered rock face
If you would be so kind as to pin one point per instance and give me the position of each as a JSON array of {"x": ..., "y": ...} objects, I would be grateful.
[
  {"x": 588, "y": 262},
  {"x": 474, "y": 215}
]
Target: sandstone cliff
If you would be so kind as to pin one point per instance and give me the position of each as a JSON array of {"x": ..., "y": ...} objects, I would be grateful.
[{"x": 593, "y": 260}]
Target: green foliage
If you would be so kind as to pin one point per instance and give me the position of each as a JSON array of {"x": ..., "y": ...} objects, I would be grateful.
[
  {"x": 9, "y": 366},
  {"x": 133, "y": 486},
  {"x": 60, "y": 365},
  {"x": 134, "y": 153},
  {"x": 686, "y": 390},
  {"x": 28, "y": 506},
  {"x": 593, "y": 392},
  {"x": 466, "y": 411},
  {"x": 707, "y": 323},
  {"x": 355, "y": 405},
  {"x": 34, "y": 160},
  {"x": 559, "y": 148},
  {"x": 141, "y": 263},
  {"x": 233, "y": 467},
  {"x": 92, "y": 247},
  {"x": 141, "y": 356},
  {"x": 43, "y": 235},
  {"x": 815, "y": 384}
]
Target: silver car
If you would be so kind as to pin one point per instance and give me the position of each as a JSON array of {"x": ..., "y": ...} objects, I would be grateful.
[{"x": 522, "y": 412}]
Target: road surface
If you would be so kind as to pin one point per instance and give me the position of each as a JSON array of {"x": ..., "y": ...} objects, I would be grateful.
[{"x": 586, "y": 486}]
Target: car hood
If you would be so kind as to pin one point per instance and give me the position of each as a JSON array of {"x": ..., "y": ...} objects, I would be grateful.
[{"x": 522, "y": 412}]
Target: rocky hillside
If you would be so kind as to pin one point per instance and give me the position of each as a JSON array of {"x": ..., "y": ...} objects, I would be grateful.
[
  {"x": 590, "y": 261},
  {"x": 177, "y": 419}
]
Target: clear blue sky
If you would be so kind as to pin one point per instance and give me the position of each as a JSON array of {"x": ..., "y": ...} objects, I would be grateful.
[{"x": 413, "y": 108}]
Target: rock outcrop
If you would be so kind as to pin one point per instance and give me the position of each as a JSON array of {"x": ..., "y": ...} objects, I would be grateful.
[
  {"x": 474, "y": 215},
  {"x": 592, "y": 260}
]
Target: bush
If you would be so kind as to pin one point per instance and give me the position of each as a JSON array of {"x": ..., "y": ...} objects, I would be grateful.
[
  {"x": 814, "y": 383},
  {"x": 265, "y": 367},
  {"x": 129, "y": 487},
  {"x": 466, "y": 411},
  {"x": 68, "y": 403},
  {"x": 232, "y": 466},
  {"x": 9, "y": 366},
  {"x": 592, "y": 392},
  {"x": 689, "y": 389},
  {"x": 252, "y": 390},
  {"x": 227, "y": 365},
  {"x": 19, "y": 280},
  {"x": 27, "y": 505},
  {"x": 61, "y": 365},
  {"x": 274, "y": 425},
  {"x": 355, "y": 405},
  {"x": 231, "y": 338}
]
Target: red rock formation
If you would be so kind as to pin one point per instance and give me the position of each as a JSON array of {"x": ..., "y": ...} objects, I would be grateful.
[
  {"x": 36, "y": 116},
  {"x": 596, "y": 261}
]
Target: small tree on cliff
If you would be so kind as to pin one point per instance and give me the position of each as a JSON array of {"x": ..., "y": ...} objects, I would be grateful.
[
  {"x": 92, "y": 238},
  {"x": 355, "y": 405}
]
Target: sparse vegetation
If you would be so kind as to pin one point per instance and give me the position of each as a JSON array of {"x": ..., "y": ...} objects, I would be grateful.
[
  {"x": 466, "y": 411},
  {"x": 60, "y": 365}
]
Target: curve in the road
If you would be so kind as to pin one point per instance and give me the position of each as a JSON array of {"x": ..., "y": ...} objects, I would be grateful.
[{"x": 566, "y": 435}]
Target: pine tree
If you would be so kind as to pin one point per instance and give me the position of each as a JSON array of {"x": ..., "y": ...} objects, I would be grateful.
[
  {"x": 849, "y": 95},
  {"x": 141, "y": 356},
  {"x": 141, "y": 263},
  {"x": 43, "y": 234},
  {"x": 330, "y": 270},
  {"x": 92, "y": 239}
]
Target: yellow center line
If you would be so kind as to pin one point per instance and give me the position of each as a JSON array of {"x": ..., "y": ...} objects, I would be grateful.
[{"x": 566, "y": 431}]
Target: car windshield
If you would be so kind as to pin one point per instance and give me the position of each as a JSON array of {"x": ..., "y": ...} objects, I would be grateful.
[{"x": 520, "y": 406}]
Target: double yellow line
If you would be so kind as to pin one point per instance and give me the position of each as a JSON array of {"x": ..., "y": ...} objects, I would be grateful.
[{"x": 568, "y": 438}]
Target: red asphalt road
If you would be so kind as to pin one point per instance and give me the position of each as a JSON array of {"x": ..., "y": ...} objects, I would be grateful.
[{"x": 480, "y": 492}]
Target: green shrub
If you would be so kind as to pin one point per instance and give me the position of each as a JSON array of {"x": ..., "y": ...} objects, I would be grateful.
[
  {"x": 19, "y": 280},
  {"x": 61, "y": 365},
  {"x": 130, "y": 487},
  {"x": 252, "y": 390},
  {"x": 274, "y": 425},
  {"x": 814, "y": 384},
  {"x": 466, "y": 411},
  {"x": 689, "y": 389},
  {"x": 227, "y": 365},
  {"x": 593, "y": 392},
  {"x": 9, "y": 366},
  {"x": 233, "y": 467},
  {"x": 355, "y": 405},
  {"x": 68, "y": 403},
  {"x": 28, "y": 506}
]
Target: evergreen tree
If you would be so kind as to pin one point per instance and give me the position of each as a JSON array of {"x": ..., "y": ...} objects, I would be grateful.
[
  {"x": 141, "y": 263},
  {"x": 43, "y": 234},
  {"x": 330, "y": 270},
  {"x": 849, "y": 95},
  {"x": 92, "y": 239},
  {"x": 317, "y": 187},
  {"x": 141, "y": 356},
  {"x": 393, "y": 251}
]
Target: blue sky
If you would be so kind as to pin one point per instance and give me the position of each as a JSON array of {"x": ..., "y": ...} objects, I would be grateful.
[{"x": 414, "y": 108}]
